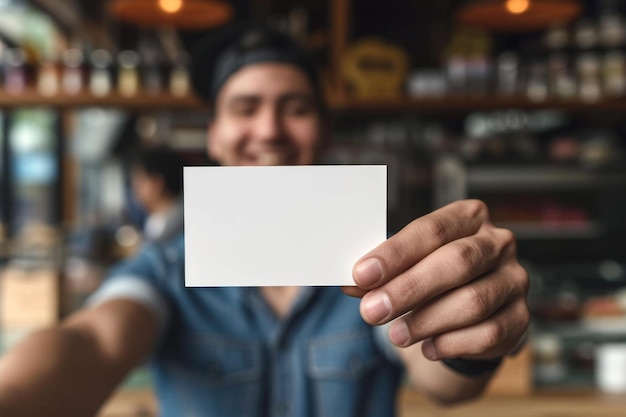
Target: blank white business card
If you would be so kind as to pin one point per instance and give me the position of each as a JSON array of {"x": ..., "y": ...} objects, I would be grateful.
[{"x": 275, "y": 226}]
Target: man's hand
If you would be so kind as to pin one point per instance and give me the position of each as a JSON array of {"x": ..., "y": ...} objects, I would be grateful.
[{"x": 455, "y": 280}]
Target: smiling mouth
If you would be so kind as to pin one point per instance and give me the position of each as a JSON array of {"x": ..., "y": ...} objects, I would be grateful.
[{"x": 272, "y": 158}]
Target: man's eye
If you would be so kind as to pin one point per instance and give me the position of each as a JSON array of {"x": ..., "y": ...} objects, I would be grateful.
[
  {"x": 298, "y": 110},
  {"x": 243, "y": 111}
]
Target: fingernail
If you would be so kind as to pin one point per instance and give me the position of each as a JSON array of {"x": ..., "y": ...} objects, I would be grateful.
[
  {"x": 376, "y": 308},
  {"x": 368, "y": 272},
  {"x": 399, "y": 333},
  {"x": 428, "y": 349}
]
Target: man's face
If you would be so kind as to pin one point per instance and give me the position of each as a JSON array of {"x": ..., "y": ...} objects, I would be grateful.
[{"x": 266, "y": 114}]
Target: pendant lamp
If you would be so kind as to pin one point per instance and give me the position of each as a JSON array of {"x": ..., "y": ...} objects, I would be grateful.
[
  {"x": 508, "y": 16},
  {"x": 179, "y": 14}
]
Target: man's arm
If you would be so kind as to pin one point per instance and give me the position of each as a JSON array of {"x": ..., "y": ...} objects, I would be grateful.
[
  {"x": 437, "y": 381},
  {"x": 71, "y": 369}
]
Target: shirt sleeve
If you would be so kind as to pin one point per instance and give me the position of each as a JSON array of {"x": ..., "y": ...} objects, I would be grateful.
[{"x": 137, "y": 279}]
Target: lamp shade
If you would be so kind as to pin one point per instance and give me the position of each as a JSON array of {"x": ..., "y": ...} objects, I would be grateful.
[
  {"x": 180, "y": 14},
  {"x": 518, "y": 15}
]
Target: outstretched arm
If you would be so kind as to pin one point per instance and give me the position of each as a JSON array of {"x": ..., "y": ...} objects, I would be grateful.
[{"x": 71, "y": 369}]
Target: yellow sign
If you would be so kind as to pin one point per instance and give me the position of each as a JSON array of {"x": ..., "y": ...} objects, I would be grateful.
[{"x": 375, "y": 68}]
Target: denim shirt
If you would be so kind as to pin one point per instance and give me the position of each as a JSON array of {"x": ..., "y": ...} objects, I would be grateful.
[{"x": 224, "y": 352}]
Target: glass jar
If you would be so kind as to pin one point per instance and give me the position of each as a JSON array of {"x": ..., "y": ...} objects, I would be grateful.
[
  {"x": 72, "y": 79},
  {"x": 128, "y": 78},
  {"x": 100, "y": 80}
]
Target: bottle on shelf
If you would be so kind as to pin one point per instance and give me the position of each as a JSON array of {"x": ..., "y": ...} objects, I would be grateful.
[
  {"x": 537, "y": 84},
  {"x": 556, "y": 38},
  {"x": 456, "y": 74},
  {"x": 508, "y": 73},
  {"x": 48, "y": 79},
  {"x": 563, "y": 82},
  {"x": 15, "y": 77},
  {"x": 614, "y": 74},
  {"x": 151, "y": 66},
  {"x": 128, "y": 76},
  {"x": 100, "y": 79},
  {"x": 586, "y": 34},
  {"x": 179, "y": 82},
  {"x": 589, "y": 88},
  {"x": 73, "y": 71},
  {"x": 611, "y": 30}
]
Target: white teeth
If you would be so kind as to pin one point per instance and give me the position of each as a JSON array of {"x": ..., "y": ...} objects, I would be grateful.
[{"x": 270, "y": 158}]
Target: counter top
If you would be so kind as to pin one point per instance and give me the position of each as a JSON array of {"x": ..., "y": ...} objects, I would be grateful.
[
  {"x": 541, "y": 404},
  {"x": 141, "y": 403}
]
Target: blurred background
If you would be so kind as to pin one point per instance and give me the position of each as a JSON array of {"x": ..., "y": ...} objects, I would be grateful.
[{"x": 521, "y": 103}]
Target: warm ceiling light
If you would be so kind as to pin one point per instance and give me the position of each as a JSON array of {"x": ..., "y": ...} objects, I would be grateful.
[
  {"x": 171, "y": 6},
  {"x": 181, "y": 14},
  {"x": 517, "y": 6},
  {"x": 509, "y": 16}
]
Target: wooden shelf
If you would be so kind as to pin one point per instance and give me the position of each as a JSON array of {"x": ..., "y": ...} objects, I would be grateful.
[
  {"x": 465, "y": 105},
  {"x": 537, "y": 230},
  {"x": 586, "y": 327},
  {"x": 31, "y": 98},
  {"x": 336, "y": 103},
  {"x": 516, "y": 178}
]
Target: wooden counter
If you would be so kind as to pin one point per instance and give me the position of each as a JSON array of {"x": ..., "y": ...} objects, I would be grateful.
[
  {"x": 140, "y": 403},
  {"x": 562, "y": 404}
]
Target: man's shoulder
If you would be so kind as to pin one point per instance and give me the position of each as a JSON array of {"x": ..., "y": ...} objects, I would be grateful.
[
  {"x": 171, "y": 249},
  {"x": 153, "y": 258},
  {"x": 175, "y": 241}
]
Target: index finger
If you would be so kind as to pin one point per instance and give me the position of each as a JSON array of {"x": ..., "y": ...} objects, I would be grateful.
[{"x": 417, "y": 240}]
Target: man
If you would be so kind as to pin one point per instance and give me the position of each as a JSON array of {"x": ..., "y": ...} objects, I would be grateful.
[{"x": 449, "y": 283}]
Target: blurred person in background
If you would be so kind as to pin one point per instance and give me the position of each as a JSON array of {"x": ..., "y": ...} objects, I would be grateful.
[
  {"x": 443, "y": 300},
  {"x": 157, "y": 183}
]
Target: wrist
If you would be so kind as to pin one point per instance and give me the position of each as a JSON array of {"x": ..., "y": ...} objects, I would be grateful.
[{"x": 472, "y": 368}]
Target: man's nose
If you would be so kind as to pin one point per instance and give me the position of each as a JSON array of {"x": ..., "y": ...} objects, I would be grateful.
[{"x": 268, "y": 126}]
